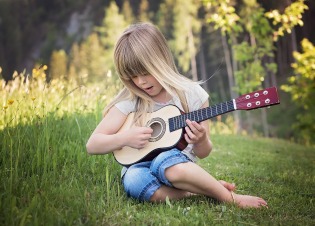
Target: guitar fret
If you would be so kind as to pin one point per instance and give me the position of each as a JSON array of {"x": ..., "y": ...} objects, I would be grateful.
[
  {"x": 178, "y": 122},
  {"x": 211, "y": 112}
]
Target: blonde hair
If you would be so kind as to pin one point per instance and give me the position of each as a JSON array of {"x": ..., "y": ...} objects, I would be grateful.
[{"x": 141, "y": 50}]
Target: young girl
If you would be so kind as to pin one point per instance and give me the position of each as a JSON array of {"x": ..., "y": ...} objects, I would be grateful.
[{"x": 146, "y": 67}]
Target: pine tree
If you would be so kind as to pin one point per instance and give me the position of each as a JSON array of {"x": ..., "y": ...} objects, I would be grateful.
[
  {"x": 127, "y": 12},
  {"x": 58, "y": 64},
  {"x": 181, "y": 26},
  {"x": 112, "y": 26},
  {"x": 144, "y": 14}
]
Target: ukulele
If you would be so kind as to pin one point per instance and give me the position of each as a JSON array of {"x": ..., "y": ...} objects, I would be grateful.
[{"x": 168, "y": 124}]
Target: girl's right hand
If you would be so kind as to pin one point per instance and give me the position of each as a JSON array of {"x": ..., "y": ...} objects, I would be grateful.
[{"x": 138, "y": 137}]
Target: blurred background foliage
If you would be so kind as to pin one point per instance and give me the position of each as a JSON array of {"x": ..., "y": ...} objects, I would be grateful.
[{"x": 237, "y": 46}]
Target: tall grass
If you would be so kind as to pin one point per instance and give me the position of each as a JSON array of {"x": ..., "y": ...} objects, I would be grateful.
[
  {"x": 43, "y": 131},
  {"x": 48, "y": 179}
]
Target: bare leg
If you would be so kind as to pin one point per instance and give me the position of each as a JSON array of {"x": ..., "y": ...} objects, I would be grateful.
[
  {"x": 172, "y": 193},
  {"x": 191, "y": 177},
  {"x": 175, "y": 194}
]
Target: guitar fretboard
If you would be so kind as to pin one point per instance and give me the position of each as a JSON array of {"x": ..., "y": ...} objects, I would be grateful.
[{"x": 200, "y": 115}]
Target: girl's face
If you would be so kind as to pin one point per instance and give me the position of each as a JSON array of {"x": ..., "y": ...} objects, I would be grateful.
[{"x": 151, "y": 86}]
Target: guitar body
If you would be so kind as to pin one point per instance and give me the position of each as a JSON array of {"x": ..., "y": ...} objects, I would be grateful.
[{"x": 161, "y": 140}]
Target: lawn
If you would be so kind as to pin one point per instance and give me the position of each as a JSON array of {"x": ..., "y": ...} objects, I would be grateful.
[{"x": 47, "y": 178}]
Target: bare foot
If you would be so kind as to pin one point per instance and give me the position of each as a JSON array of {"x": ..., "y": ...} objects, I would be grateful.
[
  {"x": 247, "y": 201},
  {"x": 228, "y": 186}
]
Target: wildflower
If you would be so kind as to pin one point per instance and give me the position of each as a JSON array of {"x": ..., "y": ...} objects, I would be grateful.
[
  {"x": 33, "y": 98},
  {"x": 45, "y": 67},
  {"x": 10, "y": 102},
  {"x": 5, "y": 107},
  {"x": 109, "y": 74}
]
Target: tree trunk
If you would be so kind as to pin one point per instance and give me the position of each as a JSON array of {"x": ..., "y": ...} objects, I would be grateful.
[
  {"x": 202, "y": 66},
  {"x": 265, "y": 122},
  {"x": 229, "y": 68},
  {"x": 272, "y": 74},
  {"x": 192, "y": 55}
]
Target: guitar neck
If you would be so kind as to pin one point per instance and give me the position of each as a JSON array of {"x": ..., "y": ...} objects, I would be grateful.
[{"x": 200, "y": 115}]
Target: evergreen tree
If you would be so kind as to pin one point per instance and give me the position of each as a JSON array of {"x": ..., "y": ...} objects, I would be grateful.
[
  {"x": 126, "y": 11},
  {"x": 74, "y": 62},
  {"x": 58, "y": 64},
  {"x": 180, "y": 23},
  {"x": 95, "y": 58},
  {"x": 112, "y": 26},
  {"x": 144, "y": 14}
]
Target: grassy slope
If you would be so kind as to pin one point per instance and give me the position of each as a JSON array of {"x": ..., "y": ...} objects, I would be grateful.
[{"x": 47, "y": 178}]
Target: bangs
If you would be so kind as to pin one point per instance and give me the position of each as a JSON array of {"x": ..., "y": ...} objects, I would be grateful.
[{"x": 129, "y": 65}]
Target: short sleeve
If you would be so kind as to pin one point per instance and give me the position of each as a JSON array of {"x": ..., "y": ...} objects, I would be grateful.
[
  {"x": 196, "y": 97},
  {"x": 126, "y": 106}
]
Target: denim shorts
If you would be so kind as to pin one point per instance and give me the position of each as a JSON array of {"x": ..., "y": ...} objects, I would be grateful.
[{"x": 142, "y": 179}]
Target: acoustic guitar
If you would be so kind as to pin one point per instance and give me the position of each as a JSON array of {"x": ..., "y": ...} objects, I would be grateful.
[{"x": 168, "y": 124}]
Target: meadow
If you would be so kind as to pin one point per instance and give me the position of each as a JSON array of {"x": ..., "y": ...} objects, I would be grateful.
[{"x": 47, "y": 178}]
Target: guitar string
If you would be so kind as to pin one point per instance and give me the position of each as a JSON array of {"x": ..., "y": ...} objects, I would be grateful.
[{"x": 177, "y": 122}]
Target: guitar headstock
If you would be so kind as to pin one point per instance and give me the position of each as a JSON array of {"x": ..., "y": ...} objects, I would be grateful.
[{"x": 258, "y": 99}]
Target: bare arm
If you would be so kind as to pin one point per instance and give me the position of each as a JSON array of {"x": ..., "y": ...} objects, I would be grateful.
[
  {"x": 107, "y": 138},
  {"x": 198, "y": 134}
]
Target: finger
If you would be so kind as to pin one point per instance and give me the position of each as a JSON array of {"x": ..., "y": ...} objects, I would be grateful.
[
  {"x": 189, "y": 132},
  {"x": 146, "y": 137},
  {"x": 198, "y": 126},
  {"x": 188, "y": 140},
  {"x": 191, "y": 126},
  {"x": 148, "y": 130},
  {"x": 143, "y": 144},
  {"x": 190, "y": 137}
]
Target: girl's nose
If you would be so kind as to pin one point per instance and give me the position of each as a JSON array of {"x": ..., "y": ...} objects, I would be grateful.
[{"x": 142, "y": 80}]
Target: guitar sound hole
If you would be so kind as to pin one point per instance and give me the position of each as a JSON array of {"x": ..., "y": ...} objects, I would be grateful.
[{"x": 158, "y": 127}]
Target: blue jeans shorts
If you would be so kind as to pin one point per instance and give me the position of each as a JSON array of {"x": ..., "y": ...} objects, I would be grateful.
[{"x": 142, "y": 179}]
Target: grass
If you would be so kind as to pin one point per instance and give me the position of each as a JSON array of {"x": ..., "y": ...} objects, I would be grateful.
[{"x": 47, "y": 178}]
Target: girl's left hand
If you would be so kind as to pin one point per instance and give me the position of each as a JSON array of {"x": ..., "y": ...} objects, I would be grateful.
[{"x": 194, "y": 132}]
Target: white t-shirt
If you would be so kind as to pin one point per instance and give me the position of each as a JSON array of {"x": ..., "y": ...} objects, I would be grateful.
[{"x": 196, "y": 96}]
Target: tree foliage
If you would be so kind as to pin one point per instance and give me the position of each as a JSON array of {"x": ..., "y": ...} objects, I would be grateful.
[
  {"x": 179, "y": 21},
  {"x": 291, "y": 17},
  {"x": 251, "y": 54},
  {"x": 301, "y": 86}
]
